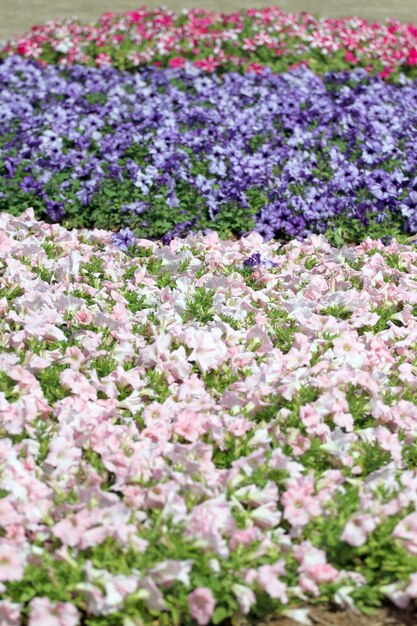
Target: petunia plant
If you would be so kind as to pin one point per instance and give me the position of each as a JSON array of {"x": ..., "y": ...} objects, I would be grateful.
[
  {"x": 161, "y": 153},
  {"x": 203, "y": 430},
  {"x": 249, "y": 40}
]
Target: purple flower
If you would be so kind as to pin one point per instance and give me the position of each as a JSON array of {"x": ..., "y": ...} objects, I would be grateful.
[
  {"x": 124, "y": 239},
  {"x": 55, "y": 210},
  {"x": 256, "y": 259},
  {"x": 178, "y": 231},
  {"x": 386, "y": 240},
  {"x": 29, "y": 184},
  {"x": 253, "y": 260},
  {"x": 285, "y": 155},
  {"x": 135, "y": 207},
  {"x": 382, "y": 187}
]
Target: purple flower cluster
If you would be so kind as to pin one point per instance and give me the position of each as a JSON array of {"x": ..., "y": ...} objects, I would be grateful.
[
  {"x": 123, "y": 239},
  {"x": 166, "y": 151}
]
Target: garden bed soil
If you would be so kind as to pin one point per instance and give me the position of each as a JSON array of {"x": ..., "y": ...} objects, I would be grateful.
[{"x": 322, "y": 616}]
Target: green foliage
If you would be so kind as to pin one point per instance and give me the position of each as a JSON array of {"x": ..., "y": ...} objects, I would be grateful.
[
  {"x": 282, "y": 328},
  {"x": 220, "y": 379},
  {"x": 337, "y": 310},
  {"x": 50, "y": 383},
  {"x": 158, "y": 385},
  {"x": 94, "y": 268},
  {"x": 200, "y": 307},
  {"x": 359, "y": 407},
  {"x": 7, "y": 386},
  {"x": 386, "y": 313},
  {"x": 11, "y": 292},
  {"x": 351, "y": 230},
  {"x": 136, "y": 301},
  {"x": 104, "y": 365},
  {"x": 55, "y": 580}
]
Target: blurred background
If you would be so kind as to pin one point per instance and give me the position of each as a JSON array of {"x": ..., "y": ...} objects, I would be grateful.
[{"x": 17, "y": 16}]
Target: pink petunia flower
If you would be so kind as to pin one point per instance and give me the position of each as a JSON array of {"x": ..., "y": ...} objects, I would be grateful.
[
  {"x": 201, "y": 603},
  {"x": 43, "y": 612},
  {"x": 9, "y": 613},
  {"x": 11, "y": 561}
]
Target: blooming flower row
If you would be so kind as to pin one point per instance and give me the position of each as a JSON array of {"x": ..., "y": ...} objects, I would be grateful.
[
  {"x": 249, "y": 39},
  {"x": 189, "y": 430},
  {"x": 166, "y": 151}
]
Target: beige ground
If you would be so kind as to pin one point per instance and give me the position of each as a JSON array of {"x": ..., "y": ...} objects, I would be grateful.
[
  {"x": 322, "y": 616},
  {"x": 16, "y": 16}
]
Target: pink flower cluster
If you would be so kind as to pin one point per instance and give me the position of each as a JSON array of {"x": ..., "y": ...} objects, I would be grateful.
[
  {"x": 250, "y": 39},
  {"x": 178, "y": 428}
]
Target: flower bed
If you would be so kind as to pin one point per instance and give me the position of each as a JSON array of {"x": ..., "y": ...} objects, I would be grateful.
[
  {"x": 250, "y": 39},
  {"x": 203, "y": 428},
  {"x": 166, "y": 151}
]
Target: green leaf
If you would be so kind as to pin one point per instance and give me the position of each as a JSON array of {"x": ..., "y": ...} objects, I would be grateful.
[{"x": 220, "y": 614}]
